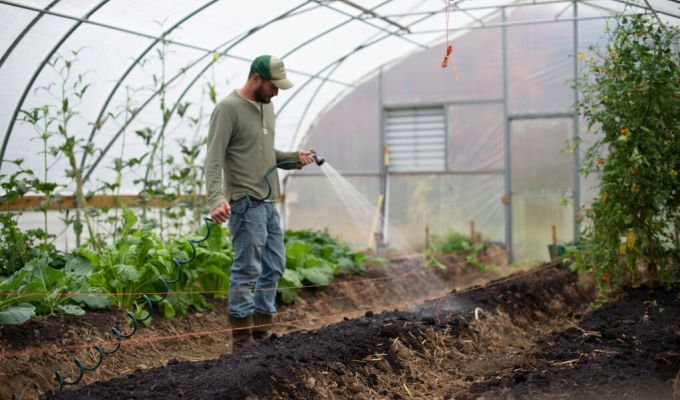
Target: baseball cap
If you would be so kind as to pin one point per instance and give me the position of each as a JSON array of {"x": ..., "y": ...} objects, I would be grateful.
[{"x": 271, "y": 68}]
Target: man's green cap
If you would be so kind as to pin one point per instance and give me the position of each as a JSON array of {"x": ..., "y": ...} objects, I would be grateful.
[{"x": 271, "y": 68}]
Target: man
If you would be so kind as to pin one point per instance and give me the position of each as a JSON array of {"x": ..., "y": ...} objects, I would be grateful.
[{"x": 240, "y": 153}]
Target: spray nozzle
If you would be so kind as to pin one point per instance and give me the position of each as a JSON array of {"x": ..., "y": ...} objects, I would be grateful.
[{"x": 317, "y": 158}]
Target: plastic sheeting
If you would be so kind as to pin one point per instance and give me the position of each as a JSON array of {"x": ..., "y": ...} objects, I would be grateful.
[
  {"x": 476, "y": 138},
  {"x": 543, "y": 187},
  {"x": 442, "y": 204},
  {"x": 335, "y": 54},
  {"x": 327, "y": 46}
]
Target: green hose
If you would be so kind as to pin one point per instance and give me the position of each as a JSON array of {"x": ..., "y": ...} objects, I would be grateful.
[{"x": 249, "y": 197}]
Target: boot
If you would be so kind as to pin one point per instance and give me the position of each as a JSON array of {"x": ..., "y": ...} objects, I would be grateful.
[
  {"x": 261, "y": 325},
  {"x": 242, "y": 335}
]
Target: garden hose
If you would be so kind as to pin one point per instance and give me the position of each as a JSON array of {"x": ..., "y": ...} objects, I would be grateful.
[
  {"x": 120, "y": 336},
  {"x": 249, "y": 199}
]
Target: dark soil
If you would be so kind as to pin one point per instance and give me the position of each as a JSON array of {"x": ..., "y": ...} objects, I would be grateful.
[
  {"x": 628, "y": 349},
  {"x": 525, "y": 336},
  {"x": 52, "y": 329},
  {"x": 284, "y": 367},
  {"x": 32, "y": 352}
]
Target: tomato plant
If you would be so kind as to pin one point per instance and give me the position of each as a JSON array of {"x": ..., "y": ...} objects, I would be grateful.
[{"x": 631, "y": 97}]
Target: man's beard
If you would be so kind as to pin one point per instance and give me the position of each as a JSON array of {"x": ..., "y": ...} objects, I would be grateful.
[{"x": 260, "y": 96}]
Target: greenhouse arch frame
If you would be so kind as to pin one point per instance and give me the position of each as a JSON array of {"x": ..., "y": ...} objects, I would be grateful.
[{"x": 332, "y": 49}]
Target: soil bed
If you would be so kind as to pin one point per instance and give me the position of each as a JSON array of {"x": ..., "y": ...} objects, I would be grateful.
[
  {"x": 32, "y": 352},
  {"x": 628, "y": 349},
  {"x": 378, "y": 355},
  {"x": 524, "y": 336}
]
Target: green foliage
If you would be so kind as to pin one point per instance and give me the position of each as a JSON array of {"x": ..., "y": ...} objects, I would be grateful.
[
  {"x": 17, "y": 247},
  {"x": 208, "y": 273},
  {"x": 186, "y": 178},
  {"x": 131, "y": 265},
  {"x": 315, "y": 258},
  {"x": 454, "y": 242},
  {"x": 69, "y": 96},
  {"x": 631, "y": 95},
  {"x": 17, "y": 314},
  {"x": 39, "y": 288}
]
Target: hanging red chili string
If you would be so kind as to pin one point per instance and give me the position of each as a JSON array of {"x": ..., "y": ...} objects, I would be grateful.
[{"x": 449, "y": 47}]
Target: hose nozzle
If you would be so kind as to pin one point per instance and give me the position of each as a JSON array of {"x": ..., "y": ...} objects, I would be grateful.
[{"x": 318, "y": 159}]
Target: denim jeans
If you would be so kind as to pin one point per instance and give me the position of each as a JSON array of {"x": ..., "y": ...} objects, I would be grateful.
[{"x": 259, "y": 259}]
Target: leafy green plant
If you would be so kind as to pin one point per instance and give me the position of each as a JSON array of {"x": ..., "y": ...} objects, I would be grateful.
[
  {"x": 17, "y": 247},
  {"x": 186, "y": 178},
  {"x": 131, "y": 265},
  {"x": 315, "y": 258},
  {"x": 70, "y": 91},
  {"x": 208, "y": 273},
  {"x": 155, "y": 181},
  {"x": 455, "y": 242},
  {"x": 41, "y": 120},
  {"x": 631, "y": 95},
  {"x": 39, "y": 288}
]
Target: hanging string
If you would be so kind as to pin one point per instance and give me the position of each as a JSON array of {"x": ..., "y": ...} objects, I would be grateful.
[{"x": 449, "y": 47}]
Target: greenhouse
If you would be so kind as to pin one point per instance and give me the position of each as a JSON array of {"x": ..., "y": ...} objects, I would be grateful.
[{"x": 479, "y": 194}]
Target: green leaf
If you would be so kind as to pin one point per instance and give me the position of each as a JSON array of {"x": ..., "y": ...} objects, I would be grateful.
[
  {"x": 287, "y": 295},
  {"x": 17, "y": 314},
  {"x": 129, "y": 221},
  {"x": 70, "y": 309},
  {"x": 127, "y": 273},
  {"x": 168, "y": 309},
  {"x": 321, "y": 275},
  {"x": 88, "y": 254},
  {"x": 296, "y": 251},
  {"x": 293, "y": 278},
  {"x": 345, "y": 262},
  {"x": 78, "y": 265},
  {"x": 92, "y": 300}
]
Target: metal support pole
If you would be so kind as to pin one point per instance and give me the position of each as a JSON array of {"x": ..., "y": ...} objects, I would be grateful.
[
  {"x": 506, "y": 137},
  {"x": 576, "y": 135}
]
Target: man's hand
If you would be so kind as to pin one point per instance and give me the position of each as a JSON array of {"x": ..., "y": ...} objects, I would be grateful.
[
  {"x": 305, "y": 157},
  {"x": 221, "y": 213}
]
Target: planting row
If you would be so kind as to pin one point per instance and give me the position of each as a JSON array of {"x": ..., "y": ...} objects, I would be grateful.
[{"x": 120, "y": 273}]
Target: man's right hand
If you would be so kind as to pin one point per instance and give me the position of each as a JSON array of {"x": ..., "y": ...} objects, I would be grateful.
[{"x": 221, "y": 213}]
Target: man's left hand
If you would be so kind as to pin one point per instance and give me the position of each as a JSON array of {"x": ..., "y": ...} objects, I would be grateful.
[{"x": 305, "y": 157}]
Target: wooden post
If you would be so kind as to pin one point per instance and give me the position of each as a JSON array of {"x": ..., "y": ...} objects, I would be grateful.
[
  {"x": 427, "y": 236},
  {"x": 473, "y": 233},
  {"x": 376, "y": 221},
  {"x": 553, "y": 230}
]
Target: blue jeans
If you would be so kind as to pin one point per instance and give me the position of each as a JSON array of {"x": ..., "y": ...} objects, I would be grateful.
[{"x": 259, "y": 259}]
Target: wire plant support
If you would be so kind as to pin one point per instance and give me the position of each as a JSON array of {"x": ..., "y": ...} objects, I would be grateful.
[{"x": 62, "y": 380}]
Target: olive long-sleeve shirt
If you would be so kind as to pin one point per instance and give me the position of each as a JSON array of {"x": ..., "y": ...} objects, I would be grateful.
[{"x": 241, "y": 151}]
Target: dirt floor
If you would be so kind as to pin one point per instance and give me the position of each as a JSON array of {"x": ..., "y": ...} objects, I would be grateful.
[
  {"x": 32, "y": 352},
  {"x": 523, "y": 336}
]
